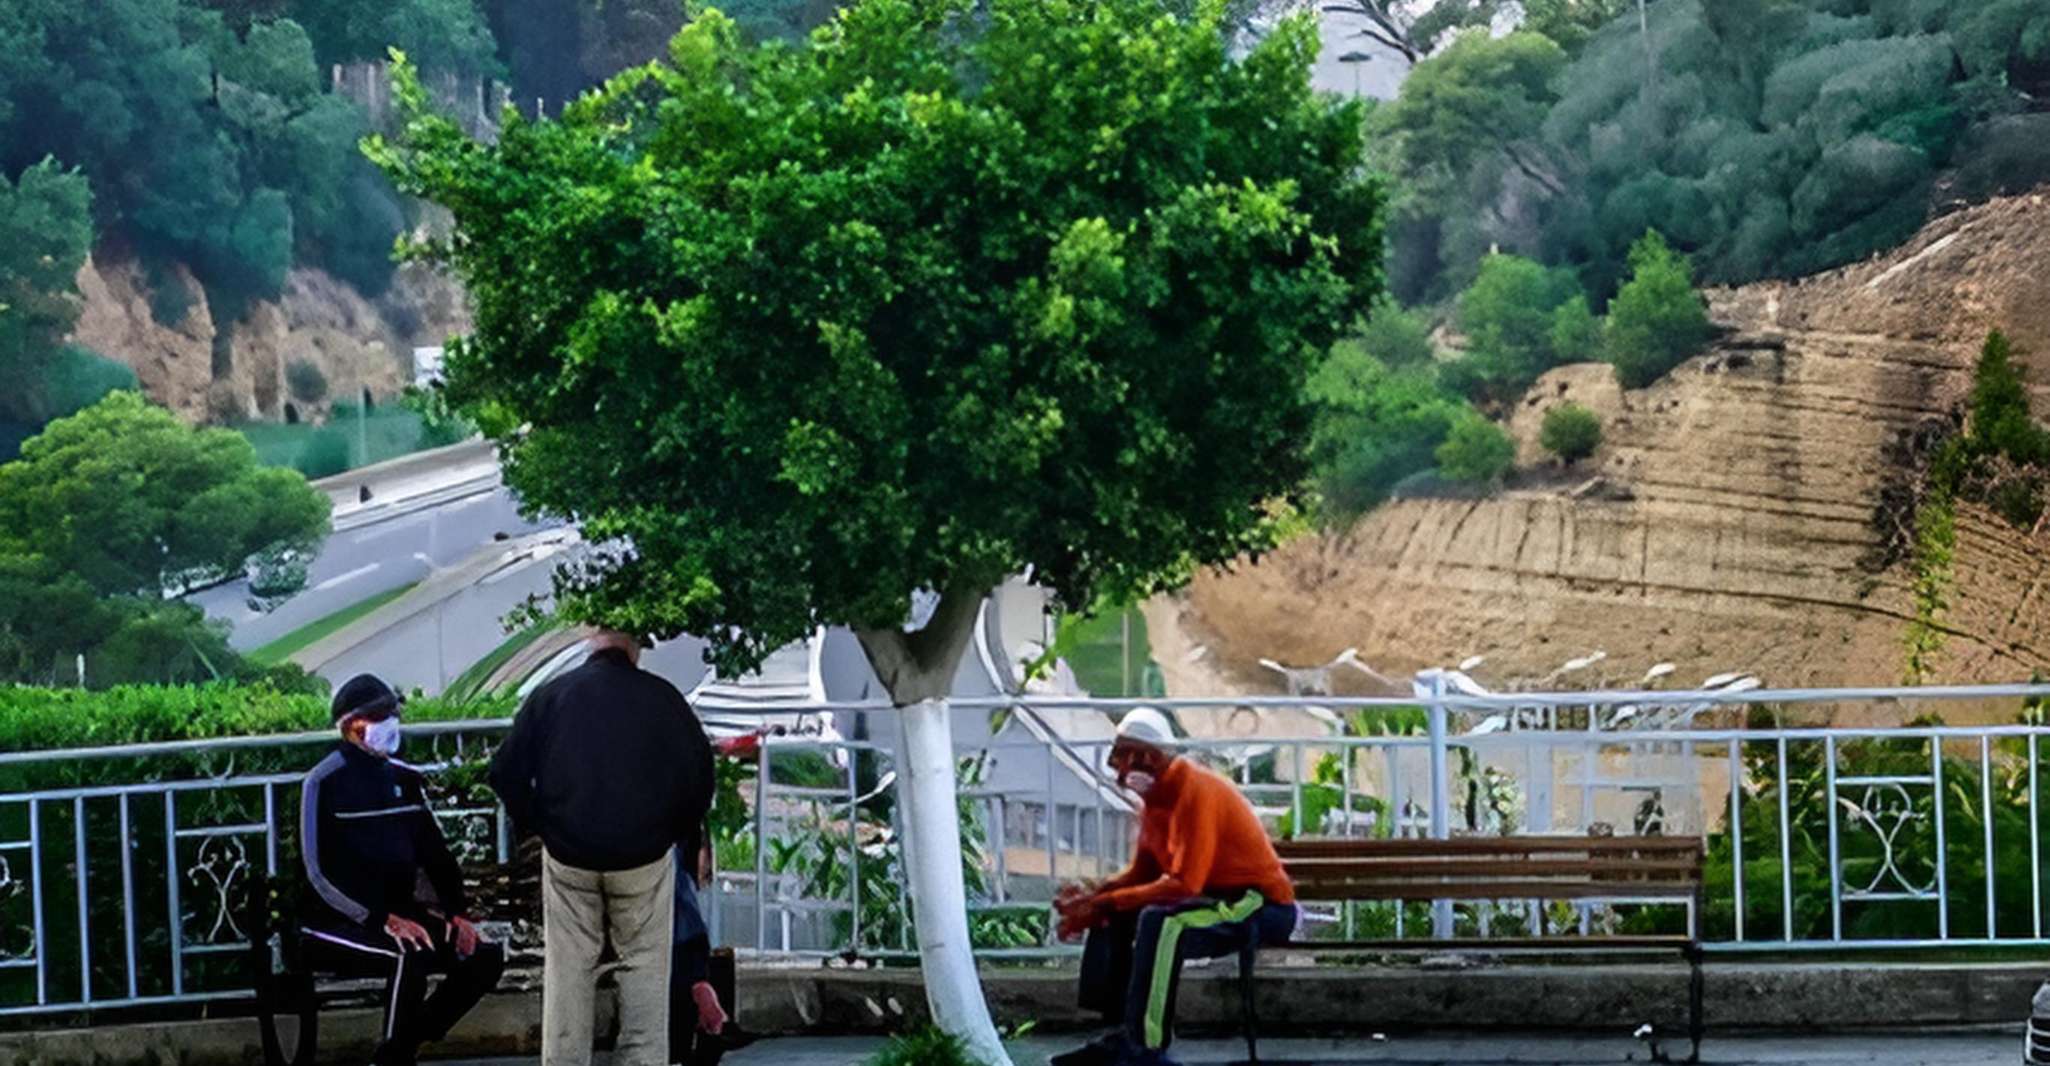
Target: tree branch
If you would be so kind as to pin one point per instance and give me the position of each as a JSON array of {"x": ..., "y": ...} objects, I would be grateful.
[
  {"x": 920, "y": 666},
  {"x": 1391, "y": 34},
  {"x": 1547, "y": 180}
]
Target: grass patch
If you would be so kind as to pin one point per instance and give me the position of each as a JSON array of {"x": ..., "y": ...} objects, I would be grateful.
[
  {"x": 470, "y": 684},
  {"x": 1102, "y": 662},
  {"x": 306, "y": 636}
]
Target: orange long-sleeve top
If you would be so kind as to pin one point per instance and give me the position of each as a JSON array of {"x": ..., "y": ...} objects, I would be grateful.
[{"x": 1198, "y": 837}]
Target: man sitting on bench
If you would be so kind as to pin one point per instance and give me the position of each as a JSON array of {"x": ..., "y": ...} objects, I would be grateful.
[
  {"x": 369, "y": 841},
  {"x": 1204, "y": 880}
]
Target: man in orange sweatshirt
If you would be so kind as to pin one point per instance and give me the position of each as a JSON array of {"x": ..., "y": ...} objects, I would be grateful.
[{"x": 1205, "y": 879}]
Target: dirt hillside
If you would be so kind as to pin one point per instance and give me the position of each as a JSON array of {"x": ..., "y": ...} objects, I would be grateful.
[
  {"x": 209, "y": 371},
  {"x": 1727, "y": 523}
]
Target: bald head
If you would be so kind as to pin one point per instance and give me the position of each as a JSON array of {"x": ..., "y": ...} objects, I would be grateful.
[{"x": 603, "y": 639}]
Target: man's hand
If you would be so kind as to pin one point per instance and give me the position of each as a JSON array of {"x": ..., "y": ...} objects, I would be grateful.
[
  {"x": 1079, "y": 914},
  {"x": 463, "y": 933},
  {"x": 711, "y": 1016},
  {"x": 411, "y": 935},
  {"x": 1069, "y": 893}
]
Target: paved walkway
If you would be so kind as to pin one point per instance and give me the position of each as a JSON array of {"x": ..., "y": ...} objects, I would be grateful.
[{"x": 1951, "y": 1049}]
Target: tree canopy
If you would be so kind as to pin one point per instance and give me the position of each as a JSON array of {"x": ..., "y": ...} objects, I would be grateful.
[
  {"x": 107, "y": 511},
  {"x": 45, "y": 233},
  {"x": 941, "y": 296},
  {"x": 1762, "y": 137}
]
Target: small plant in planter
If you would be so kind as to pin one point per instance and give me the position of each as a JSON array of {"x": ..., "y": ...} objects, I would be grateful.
[{"x": 1571, "y": 432}]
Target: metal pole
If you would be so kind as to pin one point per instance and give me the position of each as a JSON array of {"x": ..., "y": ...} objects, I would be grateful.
[
  {"x": 1441, "y": 796},
  {"x": 1986, "y": 811},
  {"x": 85, "y": 952},
  {"x": 1836, "y": 887},
  {"x": 1942, "y": 860},
  {"x": 1053, "y": 864},
  {"x": 854, "y": 853},
  {"x": 35, "y": 870},
  {"x": 2035, "y": 850},
  {"x": 762, "y": 851},
  {"x": 128, "y": 894},
  {"x": 1786, "y": 853},
  {"x": 171, "y": 878},
  {"x": 1296, "y": 795},
  {"x": 1737, "y": 831},
  {"x": 1125, "y": 651},
  {"x": 270, "y": 829}
]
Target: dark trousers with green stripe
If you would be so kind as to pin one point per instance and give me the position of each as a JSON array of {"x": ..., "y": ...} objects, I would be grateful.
[{"x": 1131, "y": 968}]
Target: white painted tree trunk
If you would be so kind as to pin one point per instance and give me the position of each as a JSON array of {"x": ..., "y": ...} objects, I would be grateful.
[{"x": 928, "y": 794}]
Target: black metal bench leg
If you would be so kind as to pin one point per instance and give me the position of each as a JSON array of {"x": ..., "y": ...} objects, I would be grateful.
[
  {"x": 288, "y": 994},
  {"x": 1248, "y": 1005}
]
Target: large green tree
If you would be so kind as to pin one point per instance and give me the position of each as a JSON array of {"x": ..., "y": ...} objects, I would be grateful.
[
  {"x": 949, "y": 291},
  {"x": 45, "y": 233},
  {"x": 131, "y": 501},
  {"x": 111, "y": 510}
]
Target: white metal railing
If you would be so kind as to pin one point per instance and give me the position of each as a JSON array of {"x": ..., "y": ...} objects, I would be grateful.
[{"x": 120, "y": 891}]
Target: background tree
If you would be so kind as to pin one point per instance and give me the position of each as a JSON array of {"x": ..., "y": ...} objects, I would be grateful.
[
  {"x": 1571, "y": 432},
  {"x": 1657, "y": 321},
  {"x": 45, "y": 233},
  {"x": 1508, "y": 315},
  {"x": 917, "y": 305},
  {"x": 1412, "y": 29},
  {"x": 111, "y": 510},
  {"x": 1374, "y": 426},
  {"x": 1476, "y": 451}
]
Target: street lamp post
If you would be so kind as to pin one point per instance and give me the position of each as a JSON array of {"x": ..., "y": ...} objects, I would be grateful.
[{"x": 1353, "y": 60}]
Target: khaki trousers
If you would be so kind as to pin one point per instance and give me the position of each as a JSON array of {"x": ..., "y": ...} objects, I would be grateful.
[{"x": 633, "y": 910}]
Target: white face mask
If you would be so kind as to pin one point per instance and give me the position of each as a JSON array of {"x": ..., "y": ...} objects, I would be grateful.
[
  {"x": 1139, "y": 781},
  {"x": 382, "y": 737}
]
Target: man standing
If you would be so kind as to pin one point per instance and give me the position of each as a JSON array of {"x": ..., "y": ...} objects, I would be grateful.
[
  {"x": 1205, "y": 879},
  {"x": 367, "y": 836},
  {"x": 609, "y": 766}
]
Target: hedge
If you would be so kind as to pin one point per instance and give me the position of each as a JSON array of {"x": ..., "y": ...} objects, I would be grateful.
[{"x": 43, "y": 719}]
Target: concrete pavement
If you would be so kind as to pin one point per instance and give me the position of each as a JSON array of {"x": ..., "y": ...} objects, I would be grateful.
[{"x": 1905, "y": 1049}]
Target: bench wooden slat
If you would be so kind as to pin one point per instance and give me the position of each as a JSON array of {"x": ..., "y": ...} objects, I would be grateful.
[
  {"x": 1336, "y": 891},
  {"x": 1369, "y": 869},
  {"x": 1534, "y": 845},
  {"x": 1527, "y": 943}
]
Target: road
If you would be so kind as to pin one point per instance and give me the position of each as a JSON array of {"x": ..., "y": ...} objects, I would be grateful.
[
  {"x": 1914, "y": 1049},
  {"x": 454, "y": 618},
  {"x": 358, "y": 563}
]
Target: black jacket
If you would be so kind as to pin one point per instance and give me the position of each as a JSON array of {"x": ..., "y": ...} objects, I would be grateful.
[
  {"x": 366, "y": 836},
  {"x": 608, "y": 765}
]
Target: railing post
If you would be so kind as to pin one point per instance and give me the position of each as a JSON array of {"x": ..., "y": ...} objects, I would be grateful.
[{"x": 1441, "y": 793}]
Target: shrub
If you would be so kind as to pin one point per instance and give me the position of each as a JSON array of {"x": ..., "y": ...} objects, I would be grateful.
[
  {"x": 43, "y": 719},
  {"x": 326, "y": 454},
  {"x": 1476, "y": 452},
  {"x": 80, "y": 377},
  {"x": 1657, "y": 321},
  {"x": 1571, "y": 432},
  {"x": 1373, "y": 427},
  {"x": 2000, "y": 423},
  {"x": 926, "y": 1047},
  {"x": 1397, "y": 337},
  {"x": 306, "y": 381},
  {"x": 1576, "y": 333},
  {"x": 1507, "y": 315}
]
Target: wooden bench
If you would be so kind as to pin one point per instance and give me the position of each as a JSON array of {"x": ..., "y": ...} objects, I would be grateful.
[
  {"x": 286, "y": 987},
  {"x": 1587, "y": 869}
]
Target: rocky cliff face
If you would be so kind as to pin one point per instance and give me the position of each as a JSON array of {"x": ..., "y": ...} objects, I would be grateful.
[
  {"x": 1727, "y": 523},
  {"x": 208, "y": 372}
]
